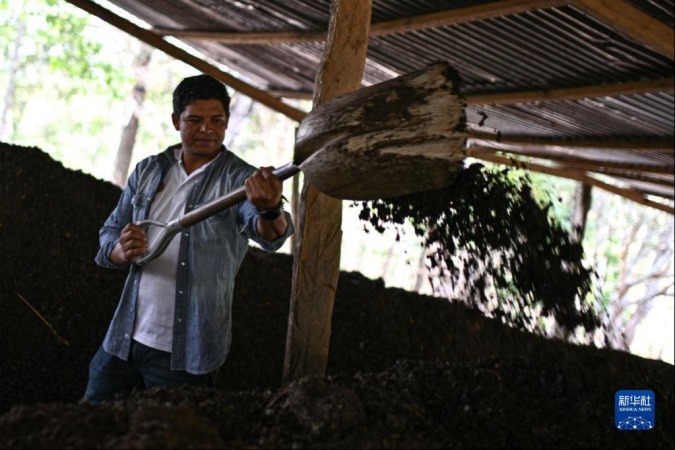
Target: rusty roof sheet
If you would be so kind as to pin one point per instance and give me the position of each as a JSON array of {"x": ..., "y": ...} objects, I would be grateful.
[{"x": 543, "y": 47}]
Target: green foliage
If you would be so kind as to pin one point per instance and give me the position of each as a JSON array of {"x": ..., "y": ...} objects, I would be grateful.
[
  {"x": 60, "y": 55},
  {"x": 61, "y": 39},
  {"x": 556, "y": 192}
]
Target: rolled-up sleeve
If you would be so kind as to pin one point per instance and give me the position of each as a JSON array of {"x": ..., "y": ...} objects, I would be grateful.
[{"x": 249, "y": 215}]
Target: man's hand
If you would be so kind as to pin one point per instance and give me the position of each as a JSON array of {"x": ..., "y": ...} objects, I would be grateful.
[
  {"x": 132, "y": 244},
  {"x": 263, "y": 189}
]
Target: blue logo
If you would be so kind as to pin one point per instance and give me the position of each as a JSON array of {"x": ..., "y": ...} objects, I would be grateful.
[{"x": 634, "y": 410}]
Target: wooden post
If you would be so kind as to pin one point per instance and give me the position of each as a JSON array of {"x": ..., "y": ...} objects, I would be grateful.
[{"x": 316, "y": 266}]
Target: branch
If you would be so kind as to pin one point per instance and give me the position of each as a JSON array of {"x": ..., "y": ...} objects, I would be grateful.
[{"x": 62, "y": 340}]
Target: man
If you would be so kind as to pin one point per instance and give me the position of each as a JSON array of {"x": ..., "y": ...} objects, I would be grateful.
[{"x": 172, "y": 326}]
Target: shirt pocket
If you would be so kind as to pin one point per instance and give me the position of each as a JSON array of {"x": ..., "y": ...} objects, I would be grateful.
[{"x": 139, "y": 204}]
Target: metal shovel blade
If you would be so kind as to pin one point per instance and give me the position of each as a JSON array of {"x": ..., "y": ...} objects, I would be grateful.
[{"x": 398, "y": 137}]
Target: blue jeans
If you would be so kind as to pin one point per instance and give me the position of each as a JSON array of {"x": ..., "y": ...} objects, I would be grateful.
[{"x": 146, "y": 368}]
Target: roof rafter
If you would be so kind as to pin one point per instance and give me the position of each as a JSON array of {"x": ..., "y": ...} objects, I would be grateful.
[
  {"x": 661, "y": 146},
  {"x": 666, "y": 85},
  {"x": 631, "y": 21},
  {"x": 590, "y": 164},
  {"x": 637, "y": 177},
  {"x": 152, "y": 39},
  {"x": 619, "y": 14},
  {"x": 422, "y": 22},
  {"x": 569, "y": 173}
]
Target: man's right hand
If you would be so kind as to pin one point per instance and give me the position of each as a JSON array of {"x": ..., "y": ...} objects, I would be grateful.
[{"x": 132, "y": 244}]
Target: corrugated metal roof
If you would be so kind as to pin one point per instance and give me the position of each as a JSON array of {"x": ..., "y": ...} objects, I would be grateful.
[{"x": 538, "y": 47}]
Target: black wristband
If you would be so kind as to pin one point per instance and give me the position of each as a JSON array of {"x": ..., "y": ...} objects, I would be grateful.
[{"x": 270, "y": 214}]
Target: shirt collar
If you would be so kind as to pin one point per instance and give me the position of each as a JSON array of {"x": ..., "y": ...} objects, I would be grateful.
[{"x": 178, "y": 154}]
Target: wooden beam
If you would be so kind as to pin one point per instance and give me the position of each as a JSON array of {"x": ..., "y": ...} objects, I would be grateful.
[
  {"x": 666, "y": 85},
  {"x": 609, "y": 145},
  {"x": 637, "y": 177},
  {"x": 525, "y": 146},
  {"x": 462, "y": 15},
  {"x": 572, "y": 174},
  {"x": 422, "y": 22},
  {"x": 589, "y": 164},
  {"x": 295, "y": 95},
  {"x": 621, "y": 170},
  {"x": 245, "y": 38},
  {"x": 152, "y": 39},
  {"x": 316, "y": 263},
  {"x": 633, "y": 22}
]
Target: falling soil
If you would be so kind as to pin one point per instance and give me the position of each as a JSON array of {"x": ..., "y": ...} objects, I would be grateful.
[
  {"x": 404, "y": 371},
  {"x": 487, "y": 233}
]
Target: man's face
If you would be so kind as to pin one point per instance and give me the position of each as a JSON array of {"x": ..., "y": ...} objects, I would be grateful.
[{"x": 202, "y": 128}]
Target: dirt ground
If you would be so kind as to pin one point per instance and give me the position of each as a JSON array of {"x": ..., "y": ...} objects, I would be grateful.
[{"x": 405, "y": 370}]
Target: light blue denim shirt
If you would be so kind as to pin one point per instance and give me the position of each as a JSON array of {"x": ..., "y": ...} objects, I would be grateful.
[{"x": 209, "y": 257}]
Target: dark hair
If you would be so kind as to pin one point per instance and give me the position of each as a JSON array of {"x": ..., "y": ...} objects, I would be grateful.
[{"x": 199, "y": 87}]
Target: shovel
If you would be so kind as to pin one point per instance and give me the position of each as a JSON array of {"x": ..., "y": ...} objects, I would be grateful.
[{"x": 398, "y": 137}]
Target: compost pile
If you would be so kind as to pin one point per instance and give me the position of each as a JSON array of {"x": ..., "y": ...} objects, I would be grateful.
[{"x": 405, "y": 370}]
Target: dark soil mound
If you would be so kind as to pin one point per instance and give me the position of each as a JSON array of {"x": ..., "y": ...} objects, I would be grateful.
[{"x": 404, "y": 370}]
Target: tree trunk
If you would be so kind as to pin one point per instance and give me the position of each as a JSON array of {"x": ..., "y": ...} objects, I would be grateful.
[
  {"x": 14, "y": 63},
  {"x": 128, "y": 137},
  {"x": 422, "y": 272},
  {"x": 582, "y": 205}
]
